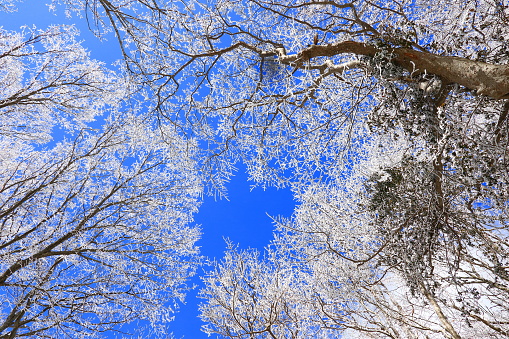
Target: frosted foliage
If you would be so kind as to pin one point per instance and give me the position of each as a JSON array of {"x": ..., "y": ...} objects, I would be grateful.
[
  {"x": 346, "y": 275},
  {"x": 364, "y": 295},
  {"x": 248, "y": 78},
  {"x": 387, "y": 119},
  {"x": 95, "y": 230},
  {"x": 258, "y": 297},
  {"x": 94, "y": 233},
  {"x": 48, "y": 80},
  {"x": 8, "y": 5}
]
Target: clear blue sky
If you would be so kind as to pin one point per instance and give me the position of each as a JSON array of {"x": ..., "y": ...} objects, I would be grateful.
[{"x": 242, "y": 218}]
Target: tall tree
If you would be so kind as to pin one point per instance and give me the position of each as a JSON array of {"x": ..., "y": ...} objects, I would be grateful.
[
  {"x": 94, "y": 228},
  {"x": 390, "y": 116},
  {"x": 302, "y": 113},
  {"x": 375, "y": 265},
  {"x": 278, "y": 83}
]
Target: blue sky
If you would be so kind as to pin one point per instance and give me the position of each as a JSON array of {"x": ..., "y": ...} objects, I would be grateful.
[{"x": 242, "y": 218}]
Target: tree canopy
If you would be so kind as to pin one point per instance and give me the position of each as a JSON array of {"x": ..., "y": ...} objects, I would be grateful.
[
  {"x": 387, "y": 119},
  {"x": 94, "y": 227}
]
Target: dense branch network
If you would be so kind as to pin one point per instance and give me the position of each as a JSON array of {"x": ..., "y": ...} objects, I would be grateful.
[
  {"x": 387, "y": 120},
  {"x": 94, "y": 228}
]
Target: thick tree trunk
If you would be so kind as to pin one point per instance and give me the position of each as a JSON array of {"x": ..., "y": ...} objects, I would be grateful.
[{"x": 486, "y": 79}]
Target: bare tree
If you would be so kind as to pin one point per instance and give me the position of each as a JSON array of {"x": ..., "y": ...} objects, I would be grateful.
[
  {"x": 49, "y": 81},
  {"x": 263, "y": 80},
  {"x": 388, "y": 121},
  {"x": 94, "y": 229}
]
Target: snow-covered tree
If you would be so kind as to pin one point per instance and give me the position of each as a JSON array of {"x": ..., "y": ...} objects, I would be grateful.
[
  {"x": 377, "y": 115},
  {"x": 95, "y": 226},
  {"x": 48, "y": 81},
  {"x": 389, "y": 121},
  {"x": 337, "y": 268},
  {"x": 267, "y": 64}
]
